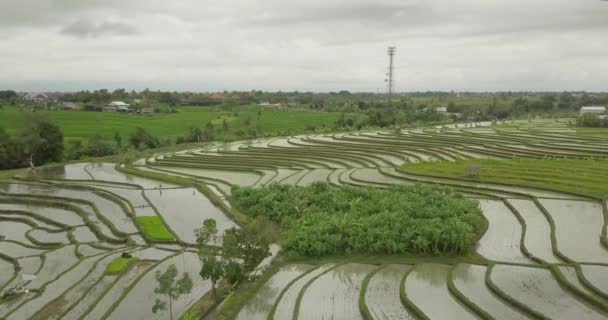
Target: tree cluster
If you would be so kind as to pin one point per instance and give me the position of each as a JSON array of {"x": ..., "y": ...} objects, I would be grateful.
[
  {"x": 324, "y": 220},
  {"x": 241, "y": 251},
  {"x": 40, "y": 141},
  {"x": 592, "y": 121}
]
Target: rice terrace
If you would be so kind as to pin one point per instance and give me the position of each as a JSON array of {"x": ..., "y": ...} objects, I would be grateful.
[
  {"x": 528, "y": 199},
  {"x": 303, "y": 160}
]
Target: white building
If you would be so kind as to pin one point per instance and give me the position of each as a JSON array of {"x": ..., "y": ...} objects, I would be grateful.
[
  {"x": 593, "y": 109},
  {"x": 119, "y": 106},
  {"x": 442, "y": 110},
  {"x": 36, "y": 97}
]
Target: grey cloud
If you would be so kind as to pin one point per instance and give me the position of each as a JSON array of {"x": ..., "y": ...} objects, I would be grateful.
[
  {"x": 385, "y": 14},
  {"x": 85, "y": 29},
  {"x": 304, "y": 44}
]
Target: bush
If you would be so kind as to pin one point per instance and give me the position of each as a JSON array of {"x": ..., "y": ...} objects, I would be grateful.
[
  {"x": 592, "y": 121},
  {"x": 142, "y": 138},
  {"x": 98, "y": 147},
  {"x": 325, "y": 220}
]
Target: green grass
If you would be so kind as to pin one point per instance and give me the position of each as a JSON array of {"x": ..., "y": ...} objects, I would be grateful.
[
  {"x": 154, "y": 229},
  {"x": 588, "y": 177},
  {"x": 119, "y": 265},
  {"x": 80, "y": 125}
]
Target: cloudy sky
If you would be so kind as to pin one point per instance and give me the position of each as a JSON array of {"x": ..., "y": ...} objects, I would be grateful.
[{"x": 316, "y": 45}]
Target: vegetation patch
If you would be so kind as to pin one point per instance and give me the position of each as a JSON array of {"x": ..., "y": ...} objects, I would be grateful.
[
  {"x": 323, "y": 220},
  {"x": 154, "y": 228},
  {"x": 581, "y": 176},
  {"x": 120, "y": 264}
]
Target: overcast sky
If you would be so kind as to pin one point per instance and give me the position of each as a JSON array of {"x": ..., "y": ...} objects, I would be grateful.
[{"x": 316, "y": 45}]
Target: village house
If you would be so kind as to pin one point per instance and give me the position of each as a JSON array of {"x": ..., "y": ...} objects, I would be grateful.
[
  {"x": 70, "y": 106},
  {"x": 37, "y": 97},
  {"x": 147, "y": 111},
  {"x": 269, "y": 105},
  {"x": 592, "y": 109},
  {"x": 117, "y": 106},
  {"x": 217, "y": 97},
  {"x": 442, "y": 110}
]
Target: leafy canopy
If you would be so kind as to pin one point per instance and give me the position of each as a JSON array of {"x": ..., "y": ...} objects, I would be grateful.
[
  {"x": 170, "y": 286},
  {"x": 323, "y": 220}
]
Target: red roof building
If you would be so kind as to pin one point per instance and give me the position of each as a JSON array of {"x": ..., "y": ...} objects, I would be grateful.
[{"x": 217, "y": 96}]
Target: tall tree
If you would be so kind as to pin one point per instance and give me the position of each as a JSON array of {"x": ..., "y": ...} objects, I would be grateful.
[
  {"x": 209, "y": 131},
  {"x": 213, "y": 268},
  {"x": 41, "y": 140},
  {"x": 118, "y": 139},
  {"x": 170, "y": 286},
  {"x": 225, "y": 126}
]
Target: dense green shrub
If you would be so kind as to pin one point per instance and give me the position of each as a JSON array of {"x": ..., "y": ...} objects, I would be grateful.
[
  {"x": 324, "y": 220},
  {"x": 39, "y": 141},
  {"x": 141, "y": 138},
  {"x": 592, "y": 120}
]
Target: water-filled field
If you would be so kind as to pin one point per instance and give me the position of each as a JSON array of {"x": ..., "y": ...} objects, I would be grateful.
[
  {"x": 60, "y": 232},
  {"x": 544, "y": 254}
]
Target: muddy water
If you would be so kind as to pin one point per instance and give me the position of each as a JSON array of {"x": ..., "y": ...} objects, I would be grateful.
[
  {"x": 55, "y": 289},
  {"x": 143, "y": 296},
  {"x": 382, "y": 295},
  {"x": 538, "y": 230},
  {"x": 259, "y": 306},
  {"x": 106, "y": 172},
  {"x": 501, "y": 242},
  {"x": 6, "y": 272},
  {"x": 152, "y": 254},
  {"x": 286, "y": 306},
  {"x": 62, "y": 216},
  {"x": 597, "y": 276},
  {"x": 15, "y": 250},
  {"x": 89, "y": 299},
  {"x": 107, "y": 208},
  {"x": 87, "y": 250},
  {"x": 113, "y": 294},
  {"x": 578, "y": 226},
  {"x": 538, "y": 289},
  {"x": 73, "y": 295},
  {"x": 335, "y": 295},
  {"x": 56, "y": 262},
  {"x": 74, "y": 171},
  {"x": 570, "y": 274},
  {"x": 30, "y": 265},
  {"x": 470, "y": 281},
  {"x": 426, "y": 286},
  {"x": 15, "y": 231},
  {"x": 83, "y": 235},
  {"x": 374, "y": 176},
  {"x": 231, "y": 177},
  {"x": 50, "y": 237},
  {"x": 185, "y": 209}
]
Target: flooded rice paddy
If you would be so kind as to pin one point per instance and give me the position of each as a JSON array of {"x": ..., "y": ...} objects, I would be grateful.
[{"x": 544, "y": 254}]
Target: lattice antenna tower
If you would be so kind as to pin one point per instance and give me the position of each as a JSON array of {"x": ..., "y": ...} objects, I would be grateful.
[{"x": 391, "y": 73}]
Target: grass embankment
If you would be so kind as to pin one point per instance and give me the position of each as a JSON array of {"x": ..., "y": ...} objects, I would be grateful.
[
  {"x": 587, "y": 177},
  {"x": 154, "y": 229},
  {"x": 81, "y": 125},
  {"x": 323, "y": 220},
  {"x": 120, "y": 264}
]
